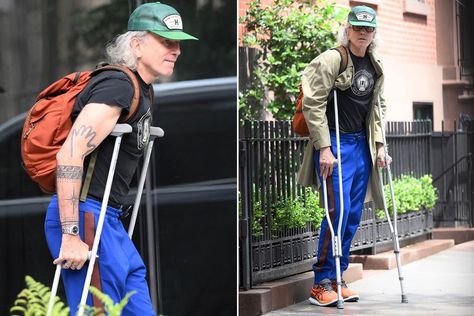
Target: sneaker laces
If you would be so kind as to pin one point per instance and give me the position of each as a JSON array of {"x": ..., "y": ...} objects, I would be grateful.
[
  {"x": 343, "y": 283},
  {"x": 325, "y": 286}
]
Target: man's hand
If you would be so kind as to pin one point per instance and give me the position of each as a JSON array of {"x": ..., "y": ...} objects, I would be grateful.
[
  {"x": 326, "y": 162},
  {"x": 383, "y": 160},
  {"x": 74, "y": 252}
]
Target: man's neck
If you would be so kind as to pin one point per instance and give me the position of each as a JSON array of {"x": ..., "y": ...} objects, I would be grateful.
[{"x": 359, "y": 52}]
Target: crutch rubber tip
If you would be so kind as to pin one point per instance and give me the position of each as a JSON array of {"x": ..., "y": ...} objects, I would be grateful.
[
  {"x": 404, "y": 299},
  {"x": 340, "y": 304}
]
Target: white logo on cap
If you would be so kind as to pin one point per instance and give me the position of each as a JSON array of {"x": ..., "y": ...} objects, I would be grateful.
[
  {"x": 364, "y": 16},
  {"x": 173, "y": 22}
]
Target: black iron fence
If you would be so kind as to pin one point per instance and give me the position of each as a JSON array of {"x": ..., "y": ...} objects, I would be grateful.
[
  {"x": 453, "y": 175},
  {"x": 270, "y": 156}
]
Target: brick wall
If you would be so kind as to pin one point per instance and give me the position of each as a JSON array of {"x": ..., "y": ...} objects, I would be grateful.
[{"x": 407, "y": 37}]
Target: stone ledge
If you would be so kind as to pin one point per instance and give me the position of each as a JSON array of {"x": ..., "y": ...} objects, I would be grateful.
[
  {"x": 387, "y": 261},
  {"x": 269, "y": 296},
  {"x": 459, "y": 234}
]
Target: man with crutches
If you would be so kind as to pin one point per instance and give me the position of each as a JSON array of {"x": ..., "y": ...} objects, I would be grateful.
[
  {"x": 150, "y": 48},
  {"x": 345, "y": 147}
]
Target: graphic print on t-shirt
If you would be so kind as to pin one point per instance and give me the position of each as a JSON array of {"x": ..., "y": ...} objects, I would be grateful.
[
  {"x": 143, "y": 130},
  {"x": 363, "y": 83}
]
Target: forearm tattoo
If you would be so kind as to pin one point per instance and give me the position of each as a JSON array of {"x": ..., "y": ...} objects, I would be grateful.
[
  {"x": 70, "y": 174},
  {"x": 67, "y": 173},
  {"x": 73, "y": 200},
  {"x": 86, "y": 132},
  {"x": 69, "y": 221}
]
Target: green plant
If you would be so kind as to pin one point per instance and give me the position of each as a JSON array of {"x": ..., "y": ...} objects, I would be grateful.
[
  {"x": 411, "y": 194},
  {"x": 289, "y": 213},
  {"x": 34, "y": 300},
  {"x": 111, "y": 309},
  {"x": 287, "y": 36},
  {"x": 257, "y": 219}
]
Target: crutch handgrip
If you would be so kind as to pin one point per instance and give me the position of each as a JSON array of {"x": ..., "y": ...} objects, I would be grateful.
[
  {"x": 156, "y": 132},
  {"x": 121, "y": 129}
]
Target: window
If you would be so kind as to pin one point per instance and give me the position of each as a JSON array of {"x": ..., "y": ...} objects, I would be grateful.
[{"x": 423, "y": 111}]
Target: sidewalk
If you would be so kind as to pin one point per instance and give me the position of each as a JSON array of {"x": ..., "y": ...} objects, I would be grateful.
[{"x": 441, "y": 284}]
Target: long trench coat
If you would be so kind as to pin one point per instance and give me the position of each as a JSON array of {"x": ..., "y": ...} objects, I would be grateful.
[{"x": 318, "y": 80}]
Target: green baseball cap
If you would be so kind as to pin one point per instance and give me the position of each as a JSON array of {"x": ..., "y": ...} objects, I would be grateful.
[
  {"x": 160, "y": 19},
  {"x": 362, "y": 16}
]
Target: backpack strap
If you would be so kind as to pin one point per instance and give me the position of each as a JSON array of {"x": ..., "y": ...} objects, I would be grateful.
[
  {"x": 88, "y": 178},
  {"x": 136, "y": 88},
  {"x": 342, "y": 50}
]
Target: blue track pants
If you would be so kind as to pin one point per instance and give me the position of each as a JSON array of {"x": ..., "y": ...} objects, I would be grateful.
[
  {"x": 119, "y": 268},
  {"x": 356, "y": 166}
]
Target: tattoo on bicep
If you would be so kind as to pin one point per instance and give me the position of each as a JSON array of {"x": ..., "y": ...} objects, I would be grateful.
[{"x": 88, "y": 133}]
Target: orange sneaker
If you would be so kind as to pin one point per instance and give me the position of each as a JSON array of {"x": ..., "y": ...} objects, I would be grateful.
[
  {"x": 348, "y": 295},
  {"x": 323, "y": 294}
]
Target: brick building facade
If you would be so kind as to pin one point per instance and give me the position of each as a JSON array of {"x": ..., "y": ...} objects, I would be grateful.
[{"x": 426, "y": 50}]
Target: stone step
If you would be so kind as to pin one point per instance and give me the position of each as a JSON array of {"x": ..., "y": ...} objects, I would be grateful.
[
  {"x": 269, "y": 296},
  {"x": 410, "y": 253}
]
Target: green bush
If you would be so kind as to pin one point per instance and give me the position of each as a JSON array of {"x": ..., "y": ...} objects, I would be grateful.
[
  {"x": 287, "y": 36},
  {"x": 289, "y": 213},
  {"x": 411, "y": 194}
]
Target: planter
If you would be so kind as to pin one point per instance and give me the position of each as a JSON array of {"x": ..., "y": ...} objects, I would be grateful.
[{"x": 294, "y": 250}]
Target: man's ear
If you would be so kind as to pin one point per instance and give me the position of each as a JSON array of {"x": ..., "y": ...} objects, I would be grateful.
[{"x": 136, "y": 46}]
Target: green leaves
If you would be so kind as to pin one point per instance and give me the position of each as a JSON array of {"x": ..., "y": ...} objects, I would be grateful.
[
  {"x": 287, "y": 36},
  {"x": 111, "y": 309},
  {"x": 34, "y": 300},
  {"x": 288, "y": 213},
  {"x": 411, "y": 194}
]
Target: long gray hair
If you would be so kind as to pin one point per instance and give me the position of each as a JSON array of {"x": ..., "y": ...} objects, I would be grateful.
[
  {"x": 119, "y": 50},
  {"x": 343, "y": 39}
]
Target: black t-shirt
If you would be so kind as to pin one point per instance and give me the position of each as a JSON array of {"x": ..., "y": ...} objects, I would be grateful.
[
  {"x": 114, "y": 88},
  {"x": 354, "y": 103}
]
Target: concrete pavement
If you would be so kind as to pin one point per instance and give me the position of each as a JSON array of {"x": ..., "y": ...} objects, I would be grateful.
[{"x": 441, "y": 284}]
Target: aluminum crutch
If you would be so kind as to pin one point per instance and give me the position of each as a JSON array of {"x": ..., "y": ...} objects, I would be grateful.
[
  {"x": 393, "y": 228},
  {"x": 154, "y": 133},
  {"x": 118, "y": 132},
  {"x": 336, "y": 238}
]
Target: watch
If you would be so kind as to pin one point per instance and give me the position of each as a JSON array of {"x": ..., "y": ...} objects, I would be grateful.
[{"x": 71, "y": 230}]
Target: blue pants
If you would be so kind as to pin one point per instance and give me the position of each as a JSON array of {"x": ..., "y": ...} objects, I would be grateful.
[
  {"x": 356, "y": 166},
  {"x": 119, "y": 268}
]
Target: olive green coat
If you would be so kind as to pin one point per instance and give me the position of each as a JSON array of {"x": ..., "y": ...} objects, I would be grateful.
[{"x": 318, "y": 79}]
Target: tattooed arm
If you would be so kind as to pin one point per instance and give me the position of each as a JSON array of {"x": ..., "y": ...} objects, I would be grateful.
[{"x": 93, "y": 124}]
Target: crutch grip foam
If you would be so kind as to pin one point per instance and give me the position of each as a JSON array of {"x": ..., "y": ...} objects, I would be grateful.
[
  {"x": 156, "y": 132},
  {"x": 89, "y": 255},
  {"x": 121, "y": 129}
]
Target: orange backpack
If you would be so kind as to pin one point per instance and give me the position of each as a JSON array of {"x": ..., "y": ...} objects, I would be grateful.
[
  {"x": 299, "y": 123},
  {"x": 49, "y": 121}
]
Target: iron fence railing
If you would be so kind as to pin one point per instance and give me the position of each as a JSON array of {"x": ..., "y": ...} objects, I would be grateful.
[{"x": 270, "y": 156}]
